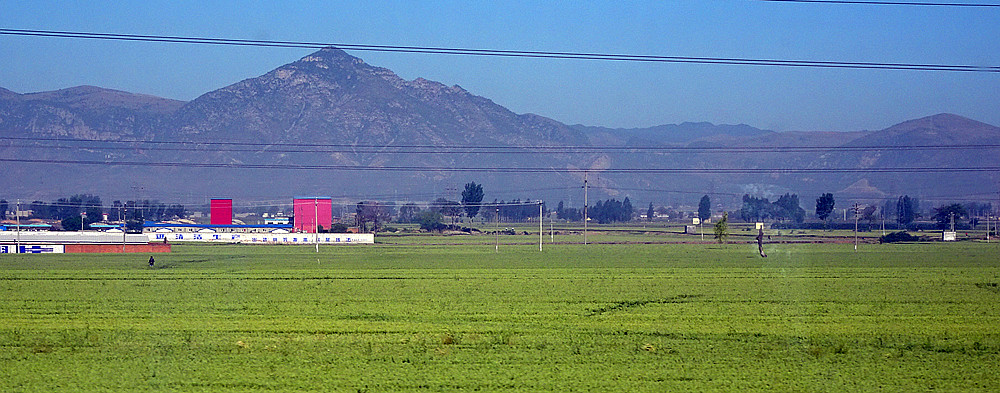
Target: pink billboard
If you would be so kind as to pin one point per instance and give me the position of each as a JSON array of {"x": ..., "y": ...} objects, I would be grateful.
[
  {"x": 221, "y": 212},
  {"x": 312, "y": 211}
]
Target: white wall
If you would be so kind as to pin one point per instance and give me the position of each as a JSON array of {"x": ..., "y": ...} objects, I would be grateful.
[{"x": 265, "y": 238}]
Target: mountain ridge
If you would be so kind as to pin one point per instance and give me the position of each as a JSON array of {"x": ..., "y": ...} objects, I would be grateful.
[{"x": 332, "y": 98}]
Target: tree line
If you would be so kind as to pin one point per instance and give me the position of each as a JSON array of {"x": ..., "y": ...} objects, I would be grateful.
[
  {"x": 604, "y": 212},
  {"x": 82, "y": 210},
  {"x": 760, "y": 209}
]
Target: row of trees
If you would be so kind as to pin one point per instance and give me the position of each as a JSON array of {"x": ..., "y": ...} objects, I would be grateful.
[
  {"x": 82, "y": 210},
  {"x": 568, "y": 213},
  {"x": 786, "y": 207},
  {"x": 373, "y": 216},
  {"x": 760, "y": 209},
  {"x": 945, "y": 215},
  {"x": 147, "y": 210},
  {"x": 906, "y": 210},
  {"x": 611, "y": 210},
  {"x": 73, "y": 206},
  {"x": 93, "y": 208},
  {"x": 607, "y": 211}
]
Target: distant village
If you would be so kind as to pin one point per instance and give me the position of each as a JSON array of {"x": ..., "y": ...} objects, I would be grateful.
[{"x": 83, "y": 220}]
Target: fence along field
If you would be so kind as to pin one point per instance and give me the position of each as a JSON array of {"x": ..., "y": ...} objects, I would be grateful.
[{"x": 649, "y": 317}]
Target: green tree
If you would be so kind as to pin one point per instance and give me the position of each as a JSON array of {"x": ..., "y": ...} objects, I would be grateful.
[
  {"x": 430, "y": 220},
  {"x": 704, "y": 208},
  {"x": 612, "y": 210},
  {"x": 905, "y": 210},
  {"x": 566, "y": 213},
  {"x": 3, "y": 209},
  {"x": 755, "y": 209},
  {"x": 370, "y": 212},
  {"x": 134, "y": 226},
  {"x": 40, "y": 209},
  {"x": 722, "y": 228},
  {"x": 824, "y": 206},
  {"x": 93, "y": 207},
  {"x": 446, "y": 207},
  {"x": 73, "y": 223},
  {"x": 649, "y": 212},
  {"x": 408, "y": 212},
  {"x": 787, "y": 207},
  {"x": 944, "y": 214},
  {"x": 868, "y": 214},
  {"x": 472, "y": 196},
  {"x": 175, "y": 210}
]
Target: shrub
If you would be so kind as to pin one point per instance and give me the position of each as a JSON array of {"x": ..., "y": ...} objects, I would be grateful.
[{"x": 896, "y": 237}]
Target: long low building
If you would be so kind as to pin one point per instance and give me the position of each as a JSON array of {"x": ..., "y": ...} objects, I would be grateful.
[
  {"x": 251, "y": 234},
  {"x": 263, "y": 238},
  {"x": 32, "y": 242},
  {"x": 173, "y": 227}
]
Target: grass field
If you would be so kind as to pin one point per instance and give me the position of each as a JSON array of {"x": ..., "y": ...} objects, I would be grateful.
[{"x": 601, "y": 317}]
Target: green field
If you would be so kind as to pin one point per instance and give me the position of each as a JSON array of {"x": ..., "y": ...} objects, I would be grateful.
[{"x": 400, "y": 316}]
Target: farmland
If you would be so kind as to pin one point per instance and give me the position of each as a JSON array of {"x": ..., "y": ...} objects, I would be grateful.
[{"x": 406, "y": 316}]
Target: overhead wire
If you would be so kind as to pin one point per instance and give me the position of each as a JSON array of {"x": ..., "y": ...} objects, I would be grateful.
[
  {"x": 506, "y": 53},
  {"x": 878, "y": 2},
  {"x": 506, "y": 149},
  {"x": 408, "y": 168},
  {"x": 438, "y": 149}
]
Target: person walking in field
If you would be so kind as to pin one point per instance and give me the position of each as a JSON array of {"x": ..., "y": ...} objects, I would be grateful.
[
  {"x": 760, "y": 242},
  {"x": 151, "y": 261}
]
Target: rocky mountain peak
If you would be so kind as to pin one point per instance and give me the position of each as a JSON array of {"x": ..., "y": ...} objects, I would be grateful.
[{"x": 329, "y": 58}]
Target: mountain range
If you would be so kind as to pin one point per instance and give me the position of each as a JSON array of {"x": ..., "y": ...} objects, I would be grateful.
[{"x": 331, "y": 124}]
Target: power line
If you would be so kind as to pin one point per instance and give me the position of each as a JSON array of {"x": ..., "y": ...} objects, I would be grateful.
[
  {"x": 504, "y": 53},
  {"x": 907, "y": 3},
  {"x": 957, "y": 198},
  {"x": 511, "y": 169},
  {"x": 656, "y": 190},
  {"x": 436, "y": 149}
]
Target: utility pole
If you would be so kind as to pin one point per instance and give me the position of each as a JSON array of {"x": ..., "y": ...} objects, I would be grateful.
[
  {"x": 498, "y": 228},
  {"x": 539, "y": 225},
  {"x": 17, "y": 217},
  {"x": 585, "y": 218},
  {"x": 701, "y": 229},
  {"x": 856, "y": 207},
  {"x": 124, "y": 218},
  {"x": 316, "y": 221},
  {"x": 883, "y": 222},
  {"x": 952, "y": 217}
]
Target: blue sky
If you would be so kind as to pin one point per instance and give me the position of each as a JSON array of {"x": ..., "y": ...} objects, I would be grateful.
[{"x": 613, "y": 94}]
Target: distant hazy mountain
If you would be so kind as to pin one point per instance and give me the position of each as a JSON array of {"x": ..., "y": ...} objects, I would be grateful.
[
  {"x": 665, "y": 134},
  {"x": 362, "y": 115},
  {"x": 937, "y": 130},
  {"x": 83, "y": 112}
]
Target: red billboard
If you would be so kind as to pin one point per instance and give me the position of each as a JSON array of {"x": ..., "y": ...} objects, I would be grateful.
[
  {"x": 222, "y": 212},
  {"x": 312, "y": 211}
]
